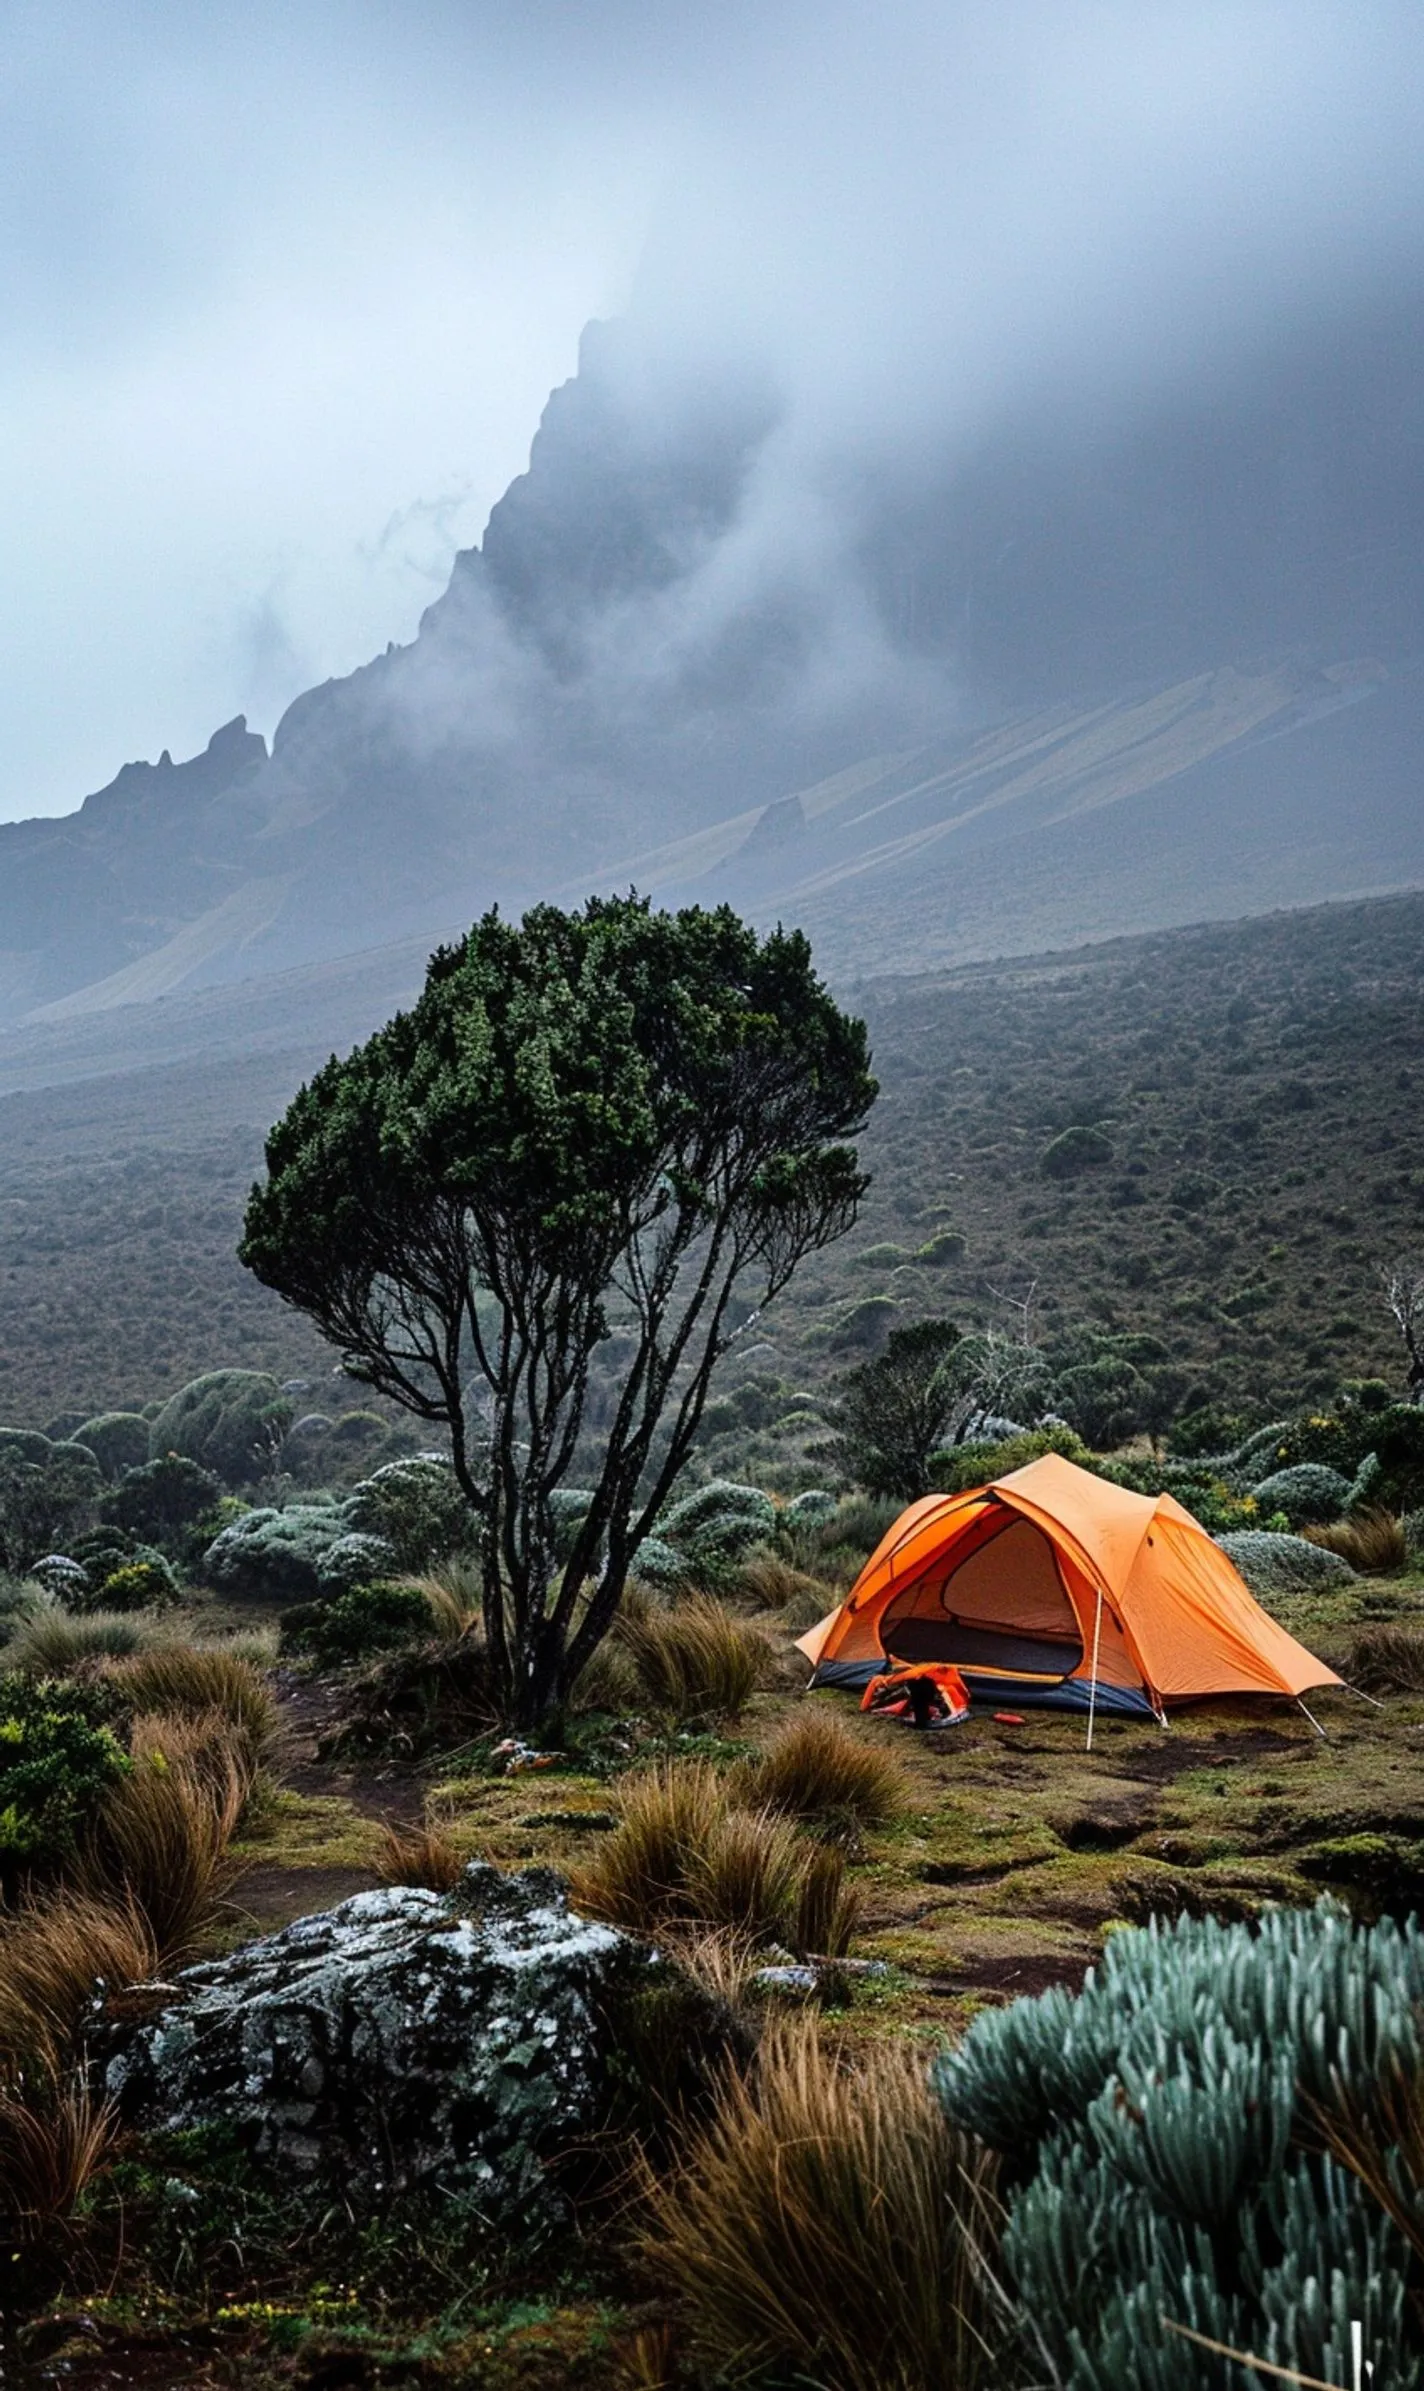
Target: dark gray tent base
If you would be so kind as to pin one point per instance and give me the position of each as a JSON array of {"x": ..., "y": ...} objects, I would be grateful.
[{"x": 1004, "y": 1693}]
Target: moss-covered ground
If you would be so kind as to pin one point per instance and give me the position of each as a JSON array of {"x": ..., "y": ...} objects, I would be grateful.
[
  {"x": 1019, "y": 1851},
  {"x": 1020, "y": 1848}
]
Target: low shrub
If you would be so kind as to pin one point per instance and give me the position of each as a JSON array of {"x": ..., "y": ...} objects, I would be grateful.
[
  {"x": 1308, "y": 1494},
  {"x": 1074, "y": 1151},
  {"x": 58, "y": 1957},
  {"x": 164, "y": 1500},
  {"x": 118, "y": 1440},
  {"x": 836, "y": 1547},
  {"x": 718, "y": 1522},
  {"x": 416, "y": 1508},
  {"x": 828, "y": 2226},
  {"x": 818, "y": 1767},
  {"x": 1160, "y": 2128},
  {"x": 694, "y": 1660},
  {"x": 58, "y": 1758},
  {"x": 274, "y": 1556},
  {"x": 146, "y": 1584},
  {"x": 1372, "y": 1542},
  {"x": 958, "y": 1467},
  {"x": 809, "y": 1510},
  {"x": 228, "y": 1421},
  {"x": 687, "y": 1858},
  {"x": 352, "y": 1561},
  {"x": 1387, "y": 1660},
  {"x": 52, "y": 1642},
  {"x": 359, "y": 1625},
  {"x": 47, "y": 1496},
  {"x": 195, "y": 1680},
  {"x": 64, "y": 1580},
  {"x": 1414, "y": 1536},
  {"x": 1279, "y": 1565},
  {"x": 657, "y": 1563},
  {"x": 1396, "y": 1437}
]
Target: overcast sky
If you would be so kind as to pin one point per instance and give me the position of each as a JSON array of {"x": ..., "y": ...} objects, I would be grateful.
[{"x": 284, "y": 287}]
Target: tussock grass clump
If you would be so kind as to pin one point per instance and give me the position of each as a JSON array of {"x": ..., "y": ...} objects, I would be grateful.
[
  {"x": 54, "y": 2139},
  {"x": 420, "y": 1855},
  {"x": 258, "y": 1646},
  {"x": 695, "y": 1660},
  {"x": 1373, "y": 1542},
  {"x": 193, "y": 1680},
  {"x": 828, "y": 2224},
  {"x": 609, "y": 1680},
  {"x": 50, "y": 1642},
  {"x": 452, "y": 1601},
  {"x": 827, "y": 1907},
  {"x": 1387, "y": 1660},
  {"x": 56, "y": 1959},
  {"x": 689, "y": 1860},
  {"x": 769, "y": 1582},
  {"x": 160, "y": 1842},
  {"x": 818, "y": 1767}
]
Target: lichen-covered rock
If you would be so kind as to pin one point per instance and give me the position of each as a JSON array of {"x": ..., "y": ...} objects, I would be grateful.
[{"x": 407, "y": 2038}]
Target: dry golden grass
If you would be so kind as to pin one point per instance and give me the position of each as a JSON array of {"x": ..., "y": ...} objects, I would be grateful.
[
  {"x": 1387, "y": 1660},
  {"x": 827, "y": 1906},
  {"x": 773, "y": 1583},
  {"x": 688, "y": 1860},
  {"x": 54, "y": 2139},
  {"x": 57, "y": 1959},
  {"x": 452, "y": 1598},
  {"x": 160, "y": 1841},
  {"x": 720, "y": 1962},
  {"x": 827, "y": 2224},
  {"x": 1371, "y": 1541},
  {"x": 194, "y": 1680},
  {"x": 420, "y": 1855},
  {"x": 695, "y": 1660},
  {"x": 818, "y": 1767}
]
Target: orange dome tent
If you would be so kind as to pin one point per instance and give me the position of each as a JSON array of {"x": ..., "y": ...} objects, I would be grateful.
[{"x": 1052, "y": 1587}]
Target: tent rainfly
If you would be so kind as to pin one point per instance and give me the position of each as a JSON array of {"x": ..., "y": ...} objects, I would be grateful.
[{"x": 1055, "y": 1588}]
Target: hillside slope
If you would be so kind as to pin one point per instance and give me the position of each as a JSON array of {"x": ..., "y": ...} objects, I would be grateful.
[{"x": 1257, "y": 1086}]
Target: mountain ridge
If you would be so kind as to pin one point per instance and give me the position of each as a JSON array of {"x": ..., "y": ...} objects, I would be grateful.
[{"x": 900, "y": 744}]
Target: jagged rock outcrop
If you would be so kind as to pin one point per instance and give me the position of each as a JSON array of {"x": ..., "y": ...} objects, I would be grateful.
[
  {"x": 1089, "y": 678},
  {"x": 406, "y": 2039}
]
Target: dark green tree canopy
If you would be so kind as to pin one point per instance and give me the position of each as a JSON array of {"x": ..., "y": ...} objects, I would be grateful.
[
  {"x": 893, "y": 1412},
  {"x": 615, "y": 1119}
]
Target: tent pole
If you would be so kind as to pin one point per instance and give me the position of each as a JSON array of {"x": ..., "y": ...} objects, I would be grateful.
[
  {"x": 1320, "y": 1731},
  {"x": 1093, "y": 1682}
]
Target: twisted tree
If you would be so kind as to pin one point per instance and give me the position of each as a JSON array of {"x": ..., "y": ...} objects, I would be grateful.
[{"x": 613, "y": 1133}]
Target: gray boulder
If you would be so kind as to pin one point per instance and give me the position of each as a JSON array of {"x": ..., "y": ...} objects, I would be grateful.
[{"x": 404, "y": 2039}]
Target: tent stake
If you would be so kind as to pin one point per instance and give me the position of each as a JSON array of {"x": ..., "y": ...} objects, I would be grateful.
[
  {"x": 1093, "y": 1682},
  {"x": 1320, "y": 1731}
]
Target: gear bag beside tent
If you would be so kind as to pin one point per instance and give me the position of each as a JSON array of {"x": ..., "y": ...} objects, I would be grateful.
[{"x": 1053, "y": 1587}]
